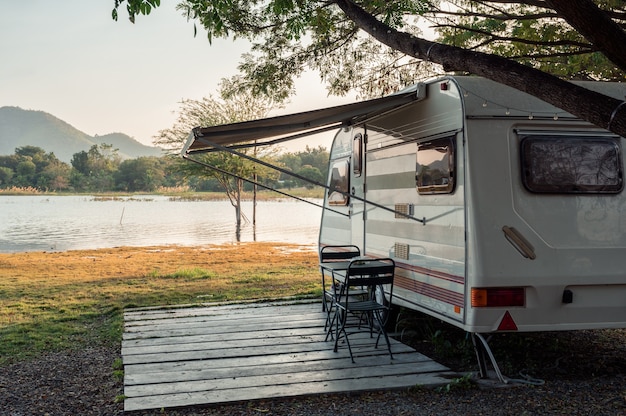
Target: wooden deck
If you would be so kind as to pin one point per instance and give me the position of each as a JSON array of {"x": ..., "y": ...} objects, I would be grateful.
[{"x": 216, "y": 354}]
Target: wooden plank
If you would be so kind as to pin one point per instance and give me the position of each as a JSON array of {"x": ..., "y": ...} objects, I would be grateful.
[
  {"x": 182, "y": 330},
  {"x": 194, "y": 356},
  {"x": 263, "y": 339},
  {"x": 228, "y": 382},
  {"x": 231, "y": 340},
  {"x": 172, "y": 373},
  {"x": 331, "y": 358},
  {"x": 274, "y": 308},
  {"x": 217, "y": 337},
  {"x": 246, "y": 350},
  {"x": 269, "y": 321},
  {"x": 286, "y": 390},
  {"x": 216, "y": 319}
]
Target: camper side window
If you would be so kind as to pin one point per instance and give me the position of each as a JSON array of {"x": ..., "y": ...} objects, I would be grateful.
[
  {"x": 357, "y": 154},
  {"x": 339, "y": 183},
  {"x": 435, "y": 166},
  {"x": 557, "y": 164}
]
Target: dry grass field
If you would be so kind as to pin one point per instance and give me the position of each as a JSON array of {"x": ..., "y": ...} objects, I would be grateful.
[{"x": 57, "y": 300}]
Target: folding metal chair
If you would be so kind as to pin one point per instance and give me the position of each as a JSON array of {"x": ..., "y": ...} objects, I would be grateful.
[
  {"x": 370, "y": 274},
  {"x": 334, "y": 261}
]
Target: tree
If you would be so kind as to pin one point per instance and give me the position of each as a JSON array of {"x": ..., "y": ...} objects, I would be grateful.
[
  {"x": 6, "y": 174},
  {"x": 232, "y": 105},
  {"x": 55, "y": 176},
  {"x": 312, "y": 174},
  {"x": 314, "y": 159},
  {"x": 25, "y": 172},
  {"x": 94, "y": 169},
  {"x": 141, "y": 174},
  {"x": 289, "y": 36},
  {"x": 31, "y": 166}
]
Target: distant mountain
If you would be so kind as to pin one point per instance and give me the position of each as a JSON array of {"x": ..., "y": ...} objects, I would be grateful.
[{"x": 20, "y": 127}]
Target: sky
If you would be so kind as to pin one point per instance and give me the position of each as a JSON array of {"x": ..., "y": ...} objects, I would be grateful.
[{"x": 69, "y": 58}]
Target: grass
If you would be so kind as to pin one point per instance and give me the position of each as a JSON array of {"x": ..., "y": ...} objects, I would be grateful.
[{"x": 65, "y": 300}]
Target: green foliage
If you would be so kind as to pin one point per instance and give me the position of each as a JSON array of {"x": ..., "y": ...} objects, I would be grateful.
[
  {"x": 119, "y": 398},
  {"x": 135, "y": 7},
  {"x": 460, "y": 383},
  {"x": 312, "y": 173},
  {"x": 32, "y": 168},
  {"x": 98, "y": 170},
  {"x": 191, "y": 274},
  {"x": 6, "y": 174},
  {"x": 234, "y": 104},
  {"x": 118, "y": 370},
  {"x": 95, "y": 168},
  {"x": 291, "y": 36},
  {"x": 312, "y": 163},
  {"x": 528, "y": 34},
  {"x": 142, "y": 174}
]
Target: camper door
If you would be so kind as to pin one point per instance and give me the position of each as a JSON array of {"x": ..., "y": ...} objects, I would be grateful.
[{"x": 357, "y": 206}]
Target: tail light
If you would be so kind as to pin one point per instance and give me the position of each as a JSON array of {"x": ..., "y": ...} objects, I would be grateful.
[{"x": 498, "y": 297}]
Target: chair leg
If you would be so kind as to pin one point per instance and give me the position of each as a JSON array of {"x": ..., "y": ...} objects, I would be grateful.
[
  {"x": 344, "y": 317},
  {"x": 331, "y": 316},
  {"x": 382, "y": 331},
  {"x": 326, "y": 308},
  {"x": 323, "y": 293}
]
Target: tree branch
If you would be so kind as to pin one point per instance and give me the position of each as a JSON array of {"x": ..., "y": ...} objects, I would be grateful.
[
  {"x": 494, "y": 38},
  {"x": 601, "y": 110},
  {"x": 501, "y": 17}
]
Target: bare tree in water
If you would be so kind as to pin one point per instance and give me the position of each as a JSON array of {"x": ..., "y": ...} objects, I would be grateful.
[{"x": 233, "y": 105}]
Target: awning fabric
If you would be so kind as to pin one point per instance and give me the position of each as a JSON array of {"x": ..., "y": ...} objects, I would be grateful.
[{"x": 205, "y": 139}]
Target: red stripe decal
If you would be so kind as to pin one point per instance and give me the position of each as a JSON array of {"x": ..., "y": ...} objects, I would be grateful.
[
  {"x": 425, "y": 289},
  {"x": 432, "y": 273}
]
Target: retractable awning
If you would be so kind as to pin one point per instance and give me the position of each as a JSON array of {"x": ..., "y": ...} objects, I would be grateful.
[
  {"x": 274, "y": 130},
  {"x": 278, "y": 129}
]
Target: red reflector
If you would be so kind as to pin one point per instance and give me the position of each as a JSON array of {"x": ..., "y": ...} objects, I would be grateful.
[
  {"x": 505, "y": 297},
  {"x": 507, "y": 323}
]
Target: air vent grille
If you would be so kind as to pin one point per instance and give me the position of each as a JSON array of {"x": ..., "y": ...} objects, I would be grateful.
[
  {"x": 402, "y": 210},
  {"x": 401, "y": 251}
]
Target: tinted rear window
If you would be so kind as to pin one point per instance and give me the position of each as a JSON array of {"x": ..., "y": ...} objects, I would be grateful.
[{"x": 561, "y": 164}]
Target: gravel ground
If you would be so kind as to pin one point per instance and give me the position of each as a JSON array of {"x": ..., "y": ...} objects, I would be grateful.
[{"x": 584, "y": 373}]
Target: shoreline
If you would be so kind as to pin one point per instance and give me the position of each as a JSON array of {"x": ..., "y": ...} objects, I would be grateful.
[
  {"x": 261, "y": 195},
  {"x": 167, "y": 247}
]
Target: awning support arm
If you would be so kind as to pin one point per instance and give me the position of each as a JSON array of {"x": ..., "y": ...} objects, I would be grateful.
[
  {"x": 295, "y": 175},
  {"x": 206, "y": 165}
]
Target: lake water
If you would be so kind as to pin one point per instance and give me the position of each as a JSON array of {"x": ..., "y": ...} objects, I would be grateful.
[{"x": 57, "y": 223}]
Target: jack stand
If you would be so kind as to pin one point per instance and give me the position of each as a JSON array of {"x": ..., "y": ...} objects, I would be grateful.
[{"x": 482, "y": 353}]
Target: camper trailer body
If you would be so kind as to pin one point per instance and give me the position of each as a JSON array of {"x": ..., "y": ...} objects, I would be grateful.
[{"x": 501, "y": 211}]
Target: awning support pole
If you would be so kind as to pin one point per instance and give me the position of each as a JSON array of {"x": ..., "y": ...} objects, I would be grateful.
[
  {"x": 206, "y": 165},
  {"x": 286, "y": 172}
]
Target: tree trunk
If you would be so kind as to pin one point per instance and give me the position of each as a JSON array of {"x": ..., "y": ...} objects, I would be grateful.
[
  {"x": 238, "y": 189},
  {"x": 598, "y": 109}
]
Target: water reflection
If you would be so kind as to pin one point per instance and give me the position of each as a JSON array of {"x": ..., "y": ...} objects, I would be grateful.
[{"x": 31, "y": 223}]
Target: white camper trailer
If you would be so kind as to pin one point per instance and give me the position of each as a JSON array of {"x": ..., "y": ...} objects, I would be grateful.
[
  {"x": 510, "y": 214},
  {"x": 502, "y": 212}
]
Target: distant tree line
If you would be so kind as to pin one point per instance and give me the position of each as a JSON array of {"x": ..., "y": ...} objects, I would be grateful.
[{"x": 101, "y": 169}]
